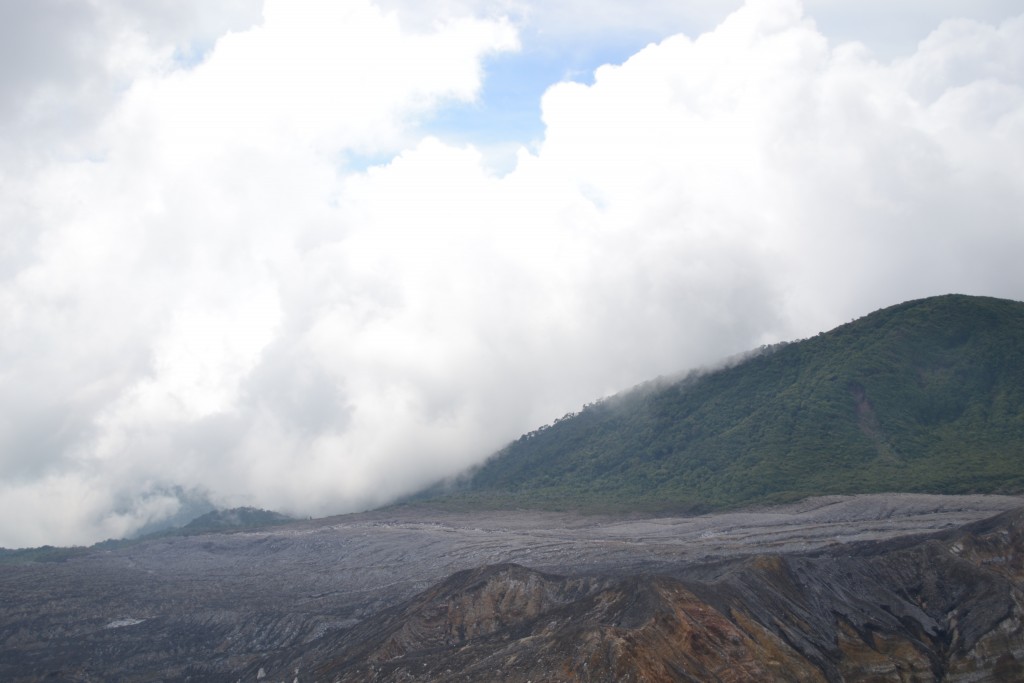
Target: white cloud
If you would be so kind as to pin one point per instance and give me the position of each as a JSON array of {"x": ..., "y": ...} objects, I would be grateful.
[{"x": 208, "y": 295}]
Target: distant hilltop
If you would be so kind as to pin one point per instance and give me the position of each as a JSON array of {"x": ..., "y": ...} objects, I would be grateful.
[{"x": 235, "y": 518}]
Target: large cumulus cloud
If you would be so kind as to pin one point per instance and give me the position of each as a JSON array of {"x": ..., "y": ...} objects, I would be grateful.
[{"x": 208, "y": 290}]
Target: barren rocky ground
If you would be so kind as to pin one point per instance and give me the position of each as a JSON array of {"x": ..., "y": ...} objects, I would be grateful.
[{"x": 226, "y": 606}]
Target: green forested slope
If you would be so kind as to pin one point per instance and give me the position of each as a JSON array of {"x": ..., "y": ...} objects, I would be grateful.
[{"x": 925, "y": 396}]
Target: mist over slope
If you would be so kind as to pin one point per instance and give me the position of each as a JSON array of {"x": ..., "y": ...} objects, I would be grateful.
[{"x": 924, "y": 396}]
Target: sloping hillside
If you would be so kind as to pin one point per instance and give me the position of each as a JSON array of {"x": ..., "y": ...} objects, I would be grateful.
[{"x": 925, "y": 396}]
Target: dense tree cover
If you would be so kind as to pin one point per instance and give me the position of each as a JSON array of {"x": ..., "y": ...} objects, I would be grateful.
[{"x": 926, "y": 396}]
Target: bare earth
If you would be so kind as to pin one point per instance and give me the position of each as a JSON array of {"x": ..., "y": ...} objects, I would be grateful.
[
  {"x": 385, "y": 556},
  {"x": 258, "y": 592}
]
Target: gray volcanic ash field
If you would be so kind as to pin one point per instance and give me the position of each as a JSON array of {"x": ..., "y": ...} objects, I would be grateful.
[{"x": 223, "y": 606}]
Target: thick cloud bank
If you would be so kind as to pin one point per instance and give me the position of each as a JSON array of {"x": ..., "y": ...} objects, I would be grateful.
[{"x": 206, "y": 288}]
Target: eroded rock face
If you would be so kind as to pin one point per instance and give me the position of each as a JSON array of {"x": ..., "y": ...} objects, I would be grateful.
[
  {"x": 854, "y": 589},
  {"x": 944, "y": 608}
]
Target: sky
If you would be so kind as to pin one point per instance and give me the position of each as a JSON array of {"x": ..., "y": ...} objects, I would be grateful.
[{"x": 312, "y": 255}]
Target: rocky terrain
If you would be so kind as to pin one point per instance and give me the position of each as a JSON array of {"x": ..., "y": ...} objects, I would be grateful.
[{"x": 879, "y": 587}]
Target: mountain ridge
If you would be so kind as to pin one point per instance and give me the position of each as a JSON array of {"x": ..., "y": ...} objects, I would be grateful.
[{"x": 923, "y": 396}]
